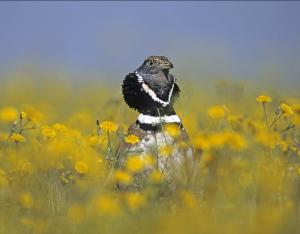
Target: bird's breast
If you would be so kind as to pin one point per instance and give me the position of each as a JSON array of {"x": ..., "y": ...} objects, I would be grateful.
[{"x": 162, "y": 147}]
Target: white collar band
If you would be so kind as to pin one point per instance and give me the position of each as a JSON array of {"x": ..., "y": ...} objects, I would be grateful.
[
  {"x": 154, "y": 120},
  {"x": 152, "y": 94}
]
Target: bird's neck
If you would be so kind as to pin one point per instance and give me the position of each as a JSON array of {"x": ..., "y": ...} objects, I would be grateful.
[
  {"x": 142, "y": 95},
  {"x": 157, "y": 111}
]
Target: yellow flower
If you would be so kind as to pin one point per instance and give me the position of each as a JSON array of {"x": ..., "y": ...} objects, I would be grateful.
[
  {"x": 135, "y": 200},
  {"x": 236, "y": 141},
  {"x": 109, "y": 126},
  {"x": 296, "y": 119},
  {"x": 148, "y": 160},
  {"x": 286, "y": 109},
  {"x": 97, "y": 140},
  {"x": 201, "y": 142},
  {"x": 60, "y": 127},
  {"x": 268, "y": 139},
  {"x": 296, "y": 108},
  {"x": 107, "y": 205},
  {"x": 32, "y": 114},
  {"x": 103, "y": 140},
  {"x": 217, "y": 140},
  {"x": 189, "y": 199},
  {"x": 216, "y": 112},
  {"x": 81, "y": 167},
  {"x": 48, "y": 133},
  {"x": 23, "y": 115},
  {"x": 172, "y": 129},
  {"x": 132, "y": 139},
  {"x": 8, "y": 114},
  {"x": 235, "y": 121},
  {"x": 135, "y": 163},
  {"x": 26, "y": 200},
  {"x": 263, "y": 98},
  {"x": 17, "y": 137},
  {"x": 293, "y": 148},
  {"x": 183, "y": 144},
  {"x": 156, "y": 176},
  {"x": 93, "y": 140},
  {"x": 122, "y": 177},
  {"x": 166, "y": 150},
  {"x": 283, "y": 145}
]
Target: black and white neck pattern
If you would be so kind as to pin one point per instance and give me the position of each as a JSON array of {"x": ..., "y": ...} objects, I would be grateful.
[
  {"x": 154, "y": 123},
  {"x": 140, "y": 96},
  {"x": 152, "y": 93},
  {"x": 154, "y": 109}
]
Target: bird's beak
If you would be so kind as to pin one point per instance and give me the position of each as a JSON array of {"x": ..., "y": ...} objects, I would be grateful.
[{"x": 167, "y": 65}]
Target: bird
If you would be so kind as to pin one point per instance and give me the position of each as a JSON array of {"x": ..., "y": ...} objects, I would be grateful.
[{"x": 152, "y": 91}]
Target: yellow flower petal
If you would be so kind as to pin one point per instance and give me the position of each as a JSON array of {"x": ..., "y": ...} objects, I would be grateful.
[{"x": 263, "y": 98}]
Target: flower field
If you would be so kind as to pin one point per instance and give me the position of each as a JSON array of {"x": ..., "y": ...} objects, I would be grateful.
[{"x": 58, "y": 141}]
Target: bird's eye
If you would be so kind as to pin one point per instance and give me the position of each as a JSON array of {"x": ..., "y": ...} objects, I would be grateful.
[{"x": 149, "y": 63}]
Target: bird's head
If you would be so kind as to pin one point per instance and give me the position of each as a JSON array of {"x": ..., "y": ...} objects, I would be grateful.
[
  {"x": 155, "y": 65},
  {"x": 151, "y": 87}
]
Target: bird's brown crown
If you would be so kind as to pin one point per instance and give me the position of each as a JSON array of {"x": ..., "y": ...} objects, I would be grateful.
[{"x": 159, "y": 61}]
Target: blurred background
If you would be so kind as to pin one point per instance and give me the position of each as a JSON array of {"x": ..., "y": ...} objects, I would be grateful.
[
  {"x": 106, "y": 40},
  {"x": 62, "y": 116}
]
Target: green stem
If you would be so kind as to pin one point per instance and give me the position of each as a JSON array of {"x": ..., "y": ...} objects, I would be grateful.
[
  {"x": 276, "y": 119},
  {"x": 265, "y": 114},
  {"x": 113, "y": 168},
  {"x": 24, "y": 129},
  {"x": 156, "y": 151},
  {"x": 98, "y": 127},
  {"x": 287, "y": 128},
  {"x": 163, "y": 132},
  {"x": 108, "y": 142},
  {"x": 161, "y": 124}
]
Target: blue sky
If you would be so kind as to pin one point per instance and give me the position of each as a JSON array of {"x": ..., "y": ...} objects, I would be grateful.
[{"x": 236, "y": 37}]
